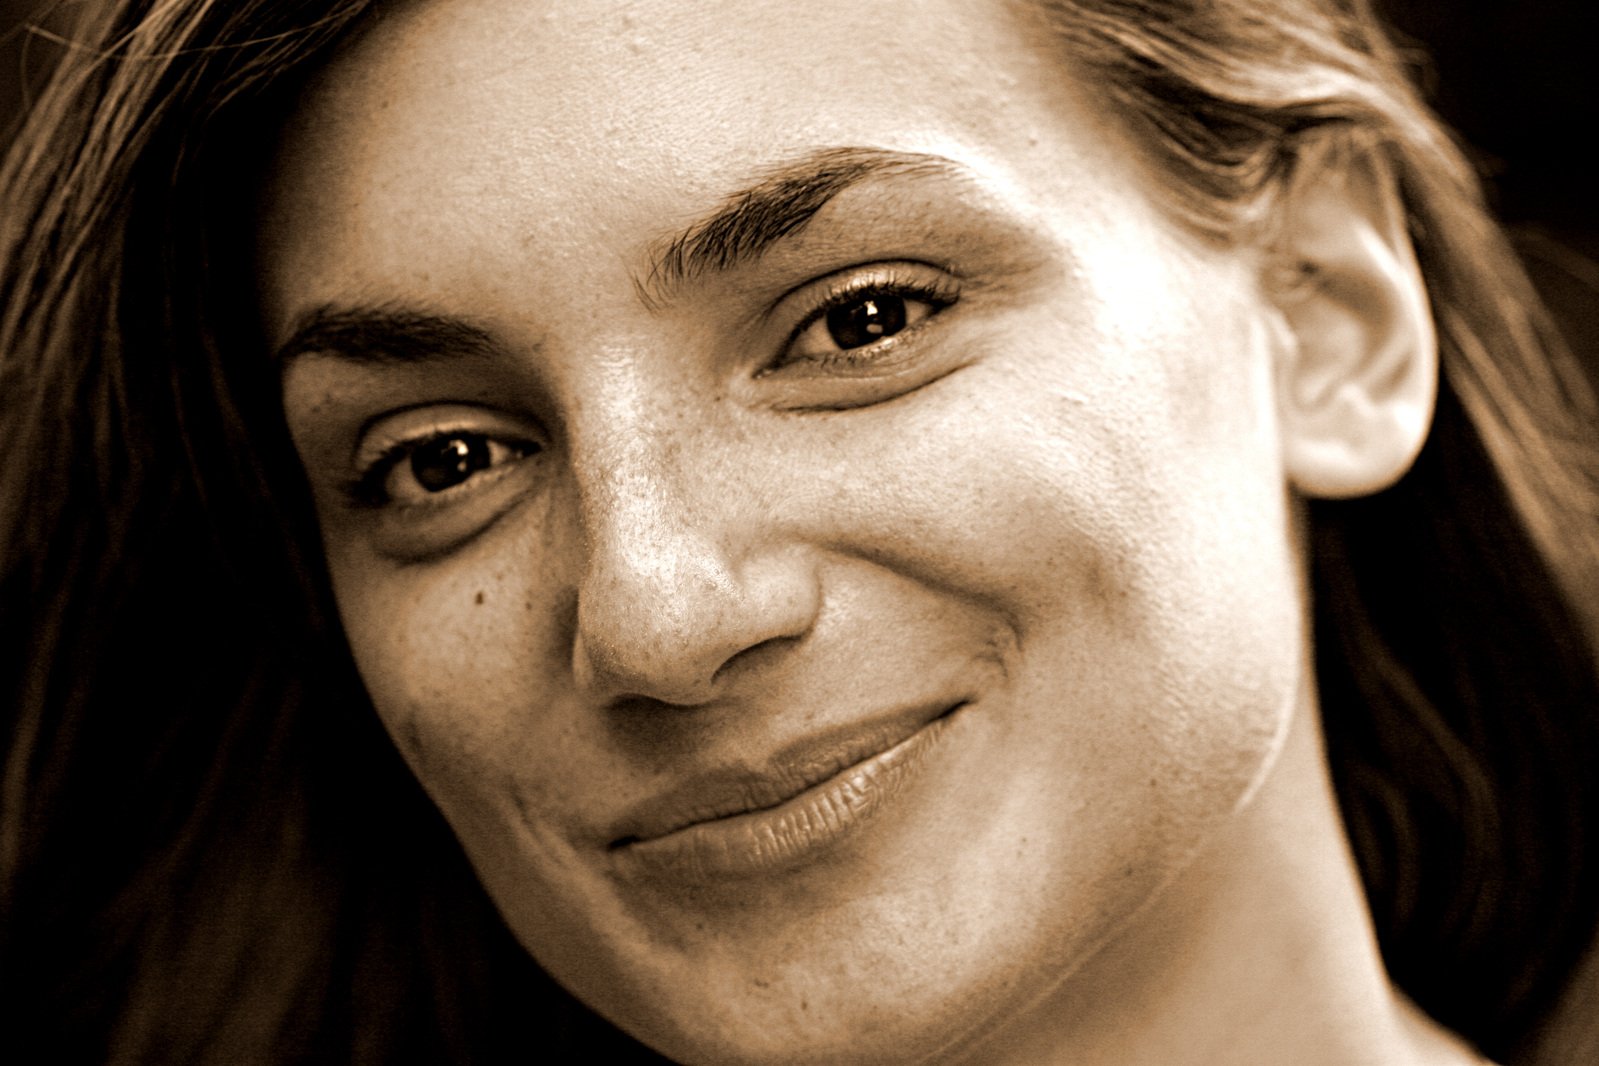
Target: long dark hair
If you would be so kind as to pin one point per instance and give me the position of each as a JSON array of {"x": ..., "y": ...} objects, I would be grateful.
[{"x": 210, "y": 852}]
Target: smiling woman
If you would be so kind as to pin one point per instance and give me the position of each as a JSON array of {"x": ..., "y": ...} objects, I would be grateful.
[{"x": 1064, "y": 539}]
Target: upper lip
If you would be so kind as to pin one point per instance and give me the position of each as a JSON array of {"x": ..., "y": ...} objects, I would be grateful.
[{"x": 733, "y": 789}]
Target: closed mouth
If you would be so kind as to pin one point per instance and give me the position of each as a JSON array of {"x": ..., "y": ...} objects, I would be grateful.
[{"x": 733, "y": 822}]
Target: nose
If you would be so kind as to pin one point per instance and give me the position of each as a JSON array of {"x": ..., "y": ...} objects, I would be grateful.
[{"x": 683, "y": 576}]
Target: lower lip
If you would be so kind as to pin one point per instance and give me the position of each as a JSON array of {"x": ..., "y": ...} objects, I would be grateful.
[{"x": 795, "y": 832}]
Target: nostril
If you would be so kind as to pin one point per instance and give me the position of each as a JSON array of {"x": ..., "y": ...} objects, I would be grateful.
[
  {"x": 658, "y": 669},
  {"x": 751, "y": 658},
  {"x": 630, "y": 705}
]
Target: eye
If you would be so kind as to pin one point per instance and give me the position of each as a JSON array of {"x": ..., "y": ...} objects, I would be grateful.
[
  {"x": 865, "y": 319},
  {"x": 421, "y": 469},
  {"x": 858, "y": 317}
]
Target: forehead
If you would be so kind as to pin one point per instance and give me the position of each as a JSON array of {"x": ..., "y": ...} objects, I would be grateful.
[{"x": 570, "y": 128}]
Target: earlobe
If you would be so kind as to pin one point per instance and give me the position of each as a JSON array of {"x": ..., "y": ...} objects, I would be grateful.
[{"x": 1357, "y": 364}]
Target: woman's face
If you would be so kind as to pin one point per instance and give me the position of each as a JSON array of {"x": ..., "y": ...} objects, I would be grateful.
[{"x": 809, "y": 519}]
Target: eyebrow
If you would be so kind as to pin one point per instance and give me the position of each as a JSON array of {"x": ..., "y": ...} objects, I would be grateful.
[
  {"x": 780, "y": 202},
  {"x": 384, "y": 336},
  {"x": 776, "y": 205}
]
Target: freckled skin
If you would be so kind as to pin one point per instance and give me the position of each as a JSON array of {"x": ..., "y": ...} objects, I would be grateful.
[{"x": 1083, "y": 530}]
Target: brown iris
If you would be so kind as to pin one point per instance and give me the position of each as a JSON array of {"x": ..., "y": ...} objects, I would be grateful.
[
  {"x": 447, "y": 461},
  {"x": 866, "y": 320}
]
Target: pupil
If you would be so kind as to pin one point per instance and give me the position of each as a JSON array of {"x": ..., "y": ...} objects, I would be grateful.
[
  {"x": 439, "y": 464},
  {"x": 864, "y": 321}
]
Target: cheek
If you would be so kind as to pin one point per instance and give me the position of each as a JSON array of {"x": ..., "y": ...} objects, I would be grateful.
[
  {"x": 464, "y": 662},
  {"x": 1111, "y": 487},
  {"x": 460, "y": 658},
  {"x": 1114, "y": 465}
]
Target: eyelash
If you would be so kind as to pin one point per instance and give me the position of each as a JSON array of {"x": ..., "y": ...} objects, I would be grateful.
[{"x": 890, "y": 281}]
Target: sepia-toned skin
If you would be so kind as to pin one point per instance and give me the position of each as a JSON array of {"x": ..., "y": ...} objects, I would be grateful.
[{"x": 942, "y": 699}]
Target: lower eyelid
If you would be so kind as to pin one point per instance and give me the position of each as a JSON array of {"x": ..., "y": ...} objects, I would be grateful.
[
  {"x": 421, "y": 532},
  {"x": 842, "y": 391}
]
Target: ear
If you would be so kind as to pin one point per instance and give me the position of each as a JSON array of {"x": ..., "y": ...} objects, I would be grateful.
[{"x": 1357, "y": 370}]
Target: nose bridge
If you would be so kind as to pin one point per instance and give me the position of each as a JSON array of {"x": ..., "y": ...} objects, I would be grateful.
[{"x": 681, "y": 574}]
